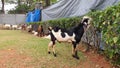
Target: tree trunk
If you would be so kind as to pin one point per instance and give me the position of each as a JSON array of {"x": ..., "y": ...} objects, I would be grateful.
[
  {"x": 47, "y": 2},
  {"x": 3, "y": 11},
  {"x": 19, "y": 3}
]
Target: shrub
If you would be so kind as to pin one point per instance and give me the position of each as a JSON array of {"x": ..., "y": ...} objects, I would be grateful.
[{"x": 107, "y": 22}]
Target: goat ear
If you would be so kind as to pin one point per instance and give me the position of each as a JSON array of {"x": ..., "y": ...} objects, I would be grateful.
[{"x": 49, "y": 28}]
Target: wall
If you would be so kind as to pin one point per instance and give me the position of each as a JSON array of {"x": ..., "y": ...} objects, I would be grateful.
[{"x": 12, "y": 18}]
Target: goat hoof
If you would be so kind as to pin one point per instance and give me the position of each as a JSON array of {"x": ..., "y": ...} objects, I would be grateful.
[
  {"x": 75, "y": 56},
  {"x": 55, "y": 55},
  {"x": 48, "y": 52}
]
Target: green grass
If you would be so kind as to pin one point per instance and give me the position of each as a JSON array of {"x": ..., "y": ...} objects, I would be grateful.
[{"x": 36, "y": 48}]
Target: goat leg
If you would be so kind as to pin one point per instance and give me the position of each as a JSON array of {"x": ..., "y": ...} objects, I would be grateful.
[
  {"x": 74, "y": 51},
  {"x": 50, "y": 45},
  {"x": 54, "y": 53}
]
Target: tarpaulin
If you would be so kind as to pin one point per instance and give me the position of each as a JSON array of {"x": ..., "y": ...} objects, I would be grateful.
[
  {"x": 33, "y": 16},
  {"x": 71, "y": 8}
]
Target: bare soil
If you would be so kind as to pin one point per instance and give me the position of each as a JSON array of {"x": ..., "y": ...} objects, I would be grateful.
[
  {"x": 93, "y": 60},
  {"x": 10, "y": 58}
]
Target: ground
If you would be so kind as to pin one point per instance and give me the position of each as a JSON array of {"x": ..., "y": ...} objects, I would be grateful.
[
  {"x": 93, "y": 60},
  {"x": 11, "y": 59},
  {"x": 26, "y": 52}
]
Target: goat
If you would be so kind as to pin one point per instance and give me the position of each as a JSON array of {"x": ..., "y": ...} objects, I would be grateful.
[
  {"x": 74, "y": 35},
  {"x": 14, "y": 27},
  {"x": 36, "y": 30},
  {"x": 29, "y": 28},
  {"x": 23, "y": 26},
  {"x": 40, "y": 31},
  {"x": 7, "y": 26}
]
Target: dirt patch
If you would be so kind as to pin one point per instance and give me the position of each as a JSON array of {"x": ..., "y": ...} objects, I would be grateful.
[
  {"x": 10, "y": 58},
  {"x": 93, "y": 60}
]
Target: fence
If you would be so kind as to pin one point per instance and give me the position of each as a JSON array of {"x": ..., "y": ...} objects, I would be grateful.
[{"x": 12, "y": 18}]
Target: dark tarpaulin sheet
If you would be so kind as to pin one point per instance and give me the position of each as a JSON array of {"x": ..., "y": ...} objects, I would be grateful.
[
  {"x": 33, "y": 16},
  {"x": 71, "y": 8}
]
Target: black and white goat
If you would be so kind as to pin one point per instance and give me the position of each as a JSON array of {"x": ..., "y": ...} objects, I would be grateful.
[{"x": 74, "y": 35}]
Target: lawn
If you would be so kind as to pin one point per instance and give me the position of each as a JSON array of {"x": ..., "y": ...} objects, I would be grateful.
[{"x": 23, "y": 50}]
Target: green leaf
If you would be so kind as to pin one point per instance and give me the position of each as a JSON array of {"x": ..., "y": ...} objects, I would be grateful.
[
  {"x": 117, "y": 14},
  {"x": 104, "y": 23},
  {"x": 115, "y": 39}
]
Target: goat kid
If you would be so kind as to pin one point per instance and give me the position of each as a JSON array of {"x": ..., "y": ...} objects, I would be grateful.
[
  {"x": 74, "y": 35},
  {"x": 40, "y": 31}
]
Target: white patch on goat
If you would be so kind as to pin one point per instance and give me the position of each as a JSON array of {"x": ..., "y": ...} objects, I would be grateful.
[
  {"x": 7, "y": 25},
  {"x": 29, "y": 27},
  {"x": 35, "y": 33},
  {"x": 63, "y": 39},
  {"x": 19, "y": 28},
  {"x": 85, "y": 23},
  {"x": 14, "y": 26},
  {"x": 88, "y": 20}
]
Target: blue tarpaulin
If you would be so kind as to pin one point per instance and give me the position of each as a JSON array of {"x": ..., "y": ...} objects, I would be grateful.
[{"x": 33, "y": 16}]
